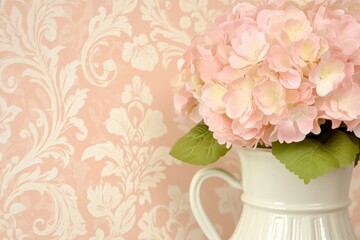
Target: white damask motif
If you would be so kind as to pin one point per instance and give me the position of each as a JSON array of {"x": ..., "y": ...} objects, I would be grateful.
[
  {"x": 229, "y": 201},
  {"x": 136, "y": 163},
  {"x": 137, "y": 92},
  {"x": 7, "y": 114},
  {"x": 101, "y": 28},
  {"x": 180, "y": 223},
  {"x": 23, "y": 42},
  {"x": 172, "y": 38},
  {"x": 142, "y": 55}
]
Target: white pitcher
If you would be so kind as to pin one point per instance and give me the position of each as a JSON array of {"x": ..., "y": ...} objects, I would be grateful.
[{"x": 277, "y": 204}]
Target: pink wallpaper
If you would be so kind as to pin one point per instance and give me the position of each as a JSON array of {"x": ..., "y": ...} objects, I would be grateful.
[{"x": 87, "y": 121}]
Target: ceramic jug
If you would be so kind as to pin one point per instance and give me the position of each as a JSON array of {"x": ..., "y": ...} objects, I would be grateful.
[{"x": 277, "y": 205}]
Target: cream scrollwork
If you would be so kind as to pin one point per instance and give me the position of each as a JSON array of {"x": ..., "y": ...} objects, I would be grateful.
[
  {"x": 172, "y": 36},
  {"x": 179, "y": 217},
  {"x": 137, "y": 164},
  {"x": 7, "y": 115},
  {"x": 42, "y": 134},
  {"x": 140, "y": 53},
  {"x": 102, "y": 28}
]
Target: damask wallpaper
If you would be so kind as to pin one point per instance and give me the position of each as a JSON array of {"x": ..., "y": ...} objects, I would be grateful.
[{"x": 87, "y": 121}]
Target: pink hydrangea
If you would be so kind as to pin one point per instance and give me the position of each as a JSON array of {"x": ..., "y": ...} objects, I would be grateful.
[{"x": 273, "y": 72}]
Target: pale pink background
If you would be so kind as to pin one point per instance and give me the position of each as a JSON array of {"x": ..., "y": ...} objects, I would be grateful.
[{"x": 87, "y": 121}]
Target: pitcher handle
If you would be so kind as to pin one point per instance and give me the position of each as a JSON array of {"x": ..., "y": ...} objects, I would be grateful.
[{"x": 195, "y": 201}]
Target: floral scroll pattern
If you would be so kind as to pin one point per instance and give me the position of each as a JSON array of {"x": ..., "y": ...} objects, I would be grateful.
[
  {"x": 86, "y": 121},
  {"x": 43, "y": 135},
  {"x": 136, "y": 163}
]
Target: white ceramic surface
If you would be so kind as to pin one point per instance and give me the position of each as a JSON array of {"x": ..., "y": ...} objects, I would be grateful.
[{"x": 277, "y": 204}]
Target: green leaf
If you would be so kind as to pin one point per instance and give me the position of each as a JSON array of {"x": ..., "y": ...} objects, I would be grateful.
[
  {"x": 356, "y": 141},
  {"x": 198, "y": 147},
  {"x": 312, "y": 158}
]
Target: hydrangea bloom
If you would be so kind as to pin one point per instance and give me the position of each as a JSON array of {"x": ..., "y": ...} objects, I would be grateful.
[{"x": 273, "y": 72}]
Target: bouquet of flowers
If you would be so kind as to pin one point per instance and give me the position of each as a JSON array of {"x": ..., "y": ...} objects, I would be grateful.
[{"x": 279, "y": 75}]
